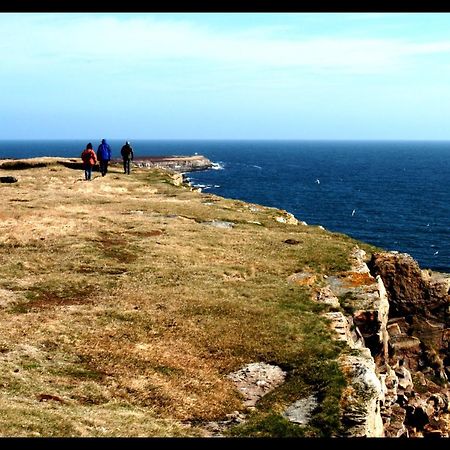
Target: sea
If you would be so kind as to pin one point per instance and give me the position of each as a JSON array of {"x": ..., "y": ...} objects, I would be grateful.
[{"x": 392, "y": 194}]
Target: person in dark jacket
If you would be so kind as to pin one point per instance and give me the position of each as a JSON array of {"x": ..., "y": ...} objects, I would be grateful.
[
  {"x": 89, "y": 161},
  {"x": 127, "y": 157},
  {"x": 104, "y": 156}
]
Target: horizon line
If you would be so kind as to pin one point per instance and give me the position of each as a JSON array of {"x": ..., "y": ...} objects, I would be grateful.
[{"x": 234, "y": 139}]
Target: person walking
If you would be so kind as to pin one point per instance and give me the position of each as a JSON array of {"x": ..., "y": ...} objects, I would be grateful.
[
  {"x": 104, "y": 156},
  {"x": 127, "y": 157},
  {"x": 89, "y": 161}
]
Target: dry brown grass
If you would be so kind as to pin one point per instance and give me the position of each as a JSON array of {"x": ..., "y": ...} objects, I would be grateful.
[{"x": 122, "y": 311}]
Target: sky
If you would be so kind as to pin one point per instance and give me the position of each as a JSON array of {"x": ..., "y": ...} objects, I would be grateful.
[{"x": 225, "y": 75}]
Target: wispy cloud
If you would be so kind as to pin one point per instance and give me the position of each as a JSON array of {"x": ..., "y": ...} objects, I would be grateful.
[{"x": 137, "y": 41}]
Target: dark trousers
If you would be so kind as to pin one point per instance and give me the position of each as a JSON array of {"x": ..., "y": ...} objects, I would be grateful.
[
  {"x": 126, "y": 166},
  {"x": 87, "y": 171},
  {"x": 103, "y": 166}
]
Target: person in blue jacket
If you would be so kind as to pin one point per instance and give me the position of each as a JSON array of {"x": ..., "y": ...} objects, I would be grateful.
[{"x": 104, "y": 156}]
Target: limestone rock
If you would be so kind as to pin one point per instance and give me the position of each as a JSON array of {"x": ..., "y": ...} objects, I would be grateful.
[
  {"x": 342, "y": 327},
  {"x": 360, "y": 401},
  {"x": 403, "y": 343},
  {"x": 287, "y": 217},
  {"x": 420, "y": 301},
  {"x": 389, "y": 386},
  {"x": 220, "y": 224},
  {"x": 395, "y": 422},
  {"x": 300, "y": 411},
  {"x": 358, "y": 257},
  {"x": 326, "y": 296},
  {"x": 257, "y": 379},
  {"x": 393, "y": 330},
  {"x": 405, "y": 382},
  {"x": 409, "y": 291},
  {"x": 177, "y": 179}
]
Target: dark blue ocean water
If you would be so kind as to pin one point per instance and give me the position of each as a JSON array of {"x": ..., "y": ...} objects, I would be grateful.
[{"x": 393, "y": 194}]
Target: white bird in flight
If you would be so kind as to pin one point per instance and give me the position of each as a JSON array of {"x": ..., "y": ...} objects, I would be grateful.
[
  {"x": 318, "y": 181},
  {"x": 353, "y": 212},
  {"x": 436, "y": 252}
]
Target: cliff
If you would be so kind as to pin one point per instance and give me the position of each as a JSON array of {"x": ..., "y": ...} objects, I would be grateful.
[
  {"x": 396, "y": 318},
  {"x": 139, "y": 306}
]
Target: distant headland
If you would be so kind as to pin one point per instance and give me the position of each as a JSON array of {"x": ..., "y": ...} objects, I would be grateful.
[{"x": 176, "y": 163}]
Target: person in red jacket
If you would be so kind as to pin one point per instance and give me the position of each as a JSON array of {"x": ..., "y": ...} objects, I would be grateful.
[{"x": 89, "y": 161}]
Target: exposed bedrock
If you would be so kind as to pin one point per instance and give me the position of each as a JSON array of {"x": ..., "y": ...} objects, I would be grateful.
[
  {"x": 362, "y": 324},
  {"x": 419, "y": 325},
  {"x": 415, "y": 373},
  {"x": 360, "y": 400},
  {"x": 364, "y": 300},
  {"x": 411, "y": 290},
  {"x": 401, "y": 314}
]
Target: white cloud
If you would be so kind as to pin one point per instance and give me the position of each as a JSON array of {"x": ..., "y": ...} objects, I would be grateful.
[{"x": 46, "y": 40}]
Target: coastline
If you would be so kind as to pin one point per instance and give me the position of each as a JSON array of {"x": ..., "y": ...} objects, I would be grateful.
[
  {"x": 400, "y": 196},
  {"x": 156, "y": 267},
  {"x": 176, "y": 163}
]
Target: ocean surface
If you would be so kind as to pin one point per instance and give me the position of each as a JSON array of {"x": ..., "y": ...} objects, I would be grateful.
[{"x": 393, "y": 194}]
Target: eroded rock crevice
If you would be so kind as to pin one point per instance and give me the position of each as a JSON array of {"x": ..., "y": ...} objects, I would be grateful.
[
  {"x": 395, "y": 318},
  {"x": 416, "y": 370}
]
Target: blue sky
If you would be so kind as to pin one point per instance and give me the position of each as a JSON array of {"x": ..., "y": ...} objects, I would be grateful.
[{"x": 225, "y": 75}]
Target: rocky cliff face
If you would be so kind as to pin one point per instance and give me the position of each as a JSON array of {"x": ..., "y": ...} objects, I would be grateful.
[
  {"x": 418, "y": 329},
  {"x": 412, "y": 292},
  {"x": 397, "y": 323},
  {"x": 363, "y": 327}
]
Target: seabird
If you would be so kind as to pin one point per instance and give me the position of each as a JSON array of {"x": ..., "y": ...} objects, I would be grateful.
[
  {"x": 436, "y": 252},
  {"x": 353, "y": 212},
  {"x": 318, "y": 181}
]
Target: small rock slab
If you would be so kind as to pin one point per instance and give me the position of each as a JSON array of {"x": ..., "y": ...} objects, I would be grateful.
[
  {"x": 257, "y": 379},
  {"x": 300, "y": 411},
  {"x": 405, "y": 343},
  {"x": 220, "y": 224}
]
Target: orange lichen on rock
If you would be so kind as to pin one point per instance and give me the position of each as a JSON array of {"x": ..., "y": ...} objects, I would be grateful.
[{"x": 358, "y": 279}]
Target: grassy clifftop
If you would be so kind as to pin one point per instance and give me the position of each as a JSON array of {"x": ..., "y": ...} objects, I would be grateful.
[{"x": 125, "y": 302}]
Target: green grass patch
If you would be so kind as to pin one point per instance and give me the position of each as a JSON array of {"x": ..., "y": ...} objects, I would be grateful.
[
  {"x": 81, "y": 373},
  {"x": 268, "y": 425},
  {"x": 19, "y": 308},
  {"x": 347, "y": 302},
  {"x": 58, "y": 292}
]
